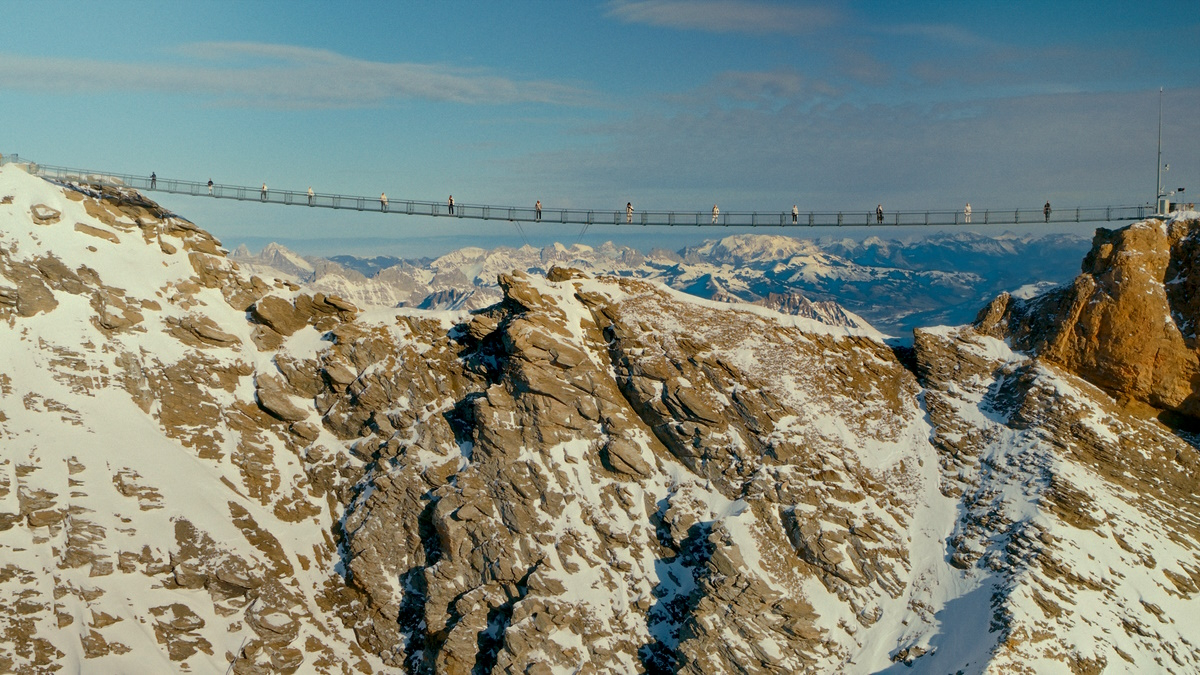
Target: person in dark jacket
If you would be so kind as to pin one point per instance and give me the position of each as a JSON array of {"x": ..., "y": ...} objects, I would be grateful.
[{"x": 1046, "y": 211}]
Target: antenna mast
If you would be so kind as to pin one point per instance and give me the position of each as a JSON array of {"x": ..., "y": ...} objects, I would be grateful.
[{"x": 1158, "y": 189}]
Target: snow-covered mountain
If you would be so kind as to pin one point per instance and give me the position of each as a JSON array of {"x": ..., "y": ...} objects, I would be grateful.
[
  {"x": 205, "y": 470},
  {"x": 895, "y": 285}
]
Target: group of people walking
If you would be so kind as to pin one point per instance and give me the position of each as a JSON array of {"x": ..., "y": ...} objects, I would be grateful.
[{"x": 1046, "y": 210}]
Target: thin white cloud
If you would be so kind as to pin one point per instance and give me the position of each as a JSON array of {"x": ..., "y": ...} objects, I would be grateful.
[
  {"x": 942, "y": 33},
  {"x": 255, "y": 74},
  {"x": 768, "y": 89},
  {"x": 725, "y": 16}
]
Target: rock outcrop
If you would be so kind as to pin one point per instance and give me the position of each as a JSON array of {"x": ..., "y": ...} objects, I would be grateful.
[{"x": 1127, "y": 323}]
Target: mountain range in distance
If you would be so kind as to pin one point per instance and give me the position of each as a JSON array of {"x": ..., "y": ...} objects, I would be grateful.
[{"x": 893, "y": 285}]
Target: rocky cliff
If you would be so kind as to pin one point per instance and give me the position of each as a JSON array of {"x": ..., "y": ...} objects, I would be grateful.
[
  {"x": 1127, "y": 323},
  {"x": 202, "y": 470}
]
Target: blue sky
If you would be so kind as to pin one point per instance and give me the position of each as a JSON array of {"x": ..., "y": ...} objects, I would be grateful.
[{"x": 670, "y": 104}]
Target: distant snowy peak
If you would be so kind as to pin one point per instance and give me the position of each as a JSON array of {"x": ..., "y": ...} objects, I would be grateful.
[
  {"x": 275, "y": 257},
  {"x": 750, "y": 248},
  {"x": 825, "y": 311}
]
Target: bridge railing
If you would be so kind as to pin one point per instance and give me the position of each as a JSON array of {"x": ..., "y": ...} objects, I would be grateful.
[{"x": 741, "y": 219}]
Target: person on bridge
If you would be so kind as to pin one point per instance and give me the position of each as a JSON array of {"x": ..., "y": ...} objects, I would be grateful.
[
  {"x": 1046, "y": 211},
  {"x": 967, "y": 213},
  {"x": 153, "y": 180},
  {"x": 537, "y": 210},
  {"x": 262, "y": 196},
  {"x": 310, "y": 195},
  {"x": 716, "y": 212},
  {"x": 450, "y": 203},
  {"x": 210, "y": 187},
  {"x": 795, "y": 213},
  {"x": 629, "y": 212},
  {"x": 879, "y": 213},
  {"x": 382, "y": 201}
]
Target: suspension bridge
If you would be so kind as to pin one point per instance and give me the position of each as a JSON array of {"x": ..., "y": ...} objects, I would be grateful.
[{"x": 585, "y": 217}]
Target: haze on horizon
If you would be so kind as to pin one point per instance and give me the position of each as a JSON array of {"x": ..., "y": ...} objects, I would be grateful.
[{"x": 668, "y": 104}]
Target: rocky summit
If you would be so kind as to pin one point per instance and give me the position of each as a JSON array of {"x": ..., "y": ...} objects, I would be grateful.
[{"x": 205, "y": 471}]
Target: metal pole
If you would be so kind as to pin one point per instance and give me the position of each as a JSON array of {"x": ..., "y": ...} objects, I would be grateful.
[{"x": 1158, "y": 186}]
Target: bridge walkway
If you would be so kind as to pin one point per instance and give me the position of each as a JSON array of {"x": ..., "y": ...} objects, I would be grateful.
[{"x": 586, "y": 217}]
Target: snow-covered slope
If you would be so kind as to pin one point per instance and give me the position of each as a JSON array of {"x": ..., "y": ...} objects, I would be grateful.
[{"x": 154, "y": 517}]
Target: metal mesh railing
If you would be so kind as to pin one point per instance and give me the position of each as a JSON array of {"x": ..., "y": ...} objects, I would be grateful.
[{"x": 741, "y": 219}]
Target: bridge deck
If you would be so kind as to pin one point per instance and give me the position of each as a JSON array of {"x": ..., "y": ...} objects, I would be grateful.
[{"x": 413, "y": 207}]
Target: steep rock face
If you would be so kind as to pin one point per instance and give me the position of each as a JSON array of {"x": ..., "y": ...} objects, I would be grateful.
[
  {"x": 582, "y": 489},
  {"x": 1127, "y": 323}
]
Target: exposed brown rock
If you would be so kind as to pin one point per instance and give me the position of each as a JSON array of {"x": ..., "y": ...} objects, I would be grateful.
[
  {"x": 278, "y": 314},
  {"x": 98, "y": 233},
  {"x": 200, "y": 331},
  {"x": 44, "y": 215},
  {"x": 1128, "y": 323},
  {"x": 273, "y": 395}
]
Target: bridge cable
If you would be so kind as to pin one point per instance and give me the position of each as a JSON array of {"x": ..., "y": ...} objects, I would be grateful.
[{"x": 521, "y": 230}]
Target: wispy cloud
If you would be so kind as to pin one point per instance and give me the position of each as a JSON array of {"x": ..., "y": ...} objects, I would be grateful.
[
  {"x": 760, "y": 89},
  {"x": 269, "y": 75},
  {"x": 725, "y": 16},
  {"x": 946, "y": 34}
]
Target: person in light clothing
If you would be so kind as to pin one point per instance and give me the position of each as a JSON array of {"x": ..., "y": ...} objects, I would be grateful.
[
  {"x": 967, "y": 212},
  {"x": 310, "y": 195},
  {"x": 795, "y": 213},
  {"x": 629, "y": 212},
  {"x": 382, "y": 201},
  {"x": 716, "y": 212}
]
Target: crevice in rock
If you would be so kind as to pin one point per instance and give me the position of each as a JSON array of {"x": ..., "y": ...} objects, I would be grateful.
[
  {"x": 907, "y": 356},
  {"x": 678, "y": 593},
  {"x": 491, "y": 639},
  {"x": 461, "y": 418},
  {"x": 411, "y": 615}
]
